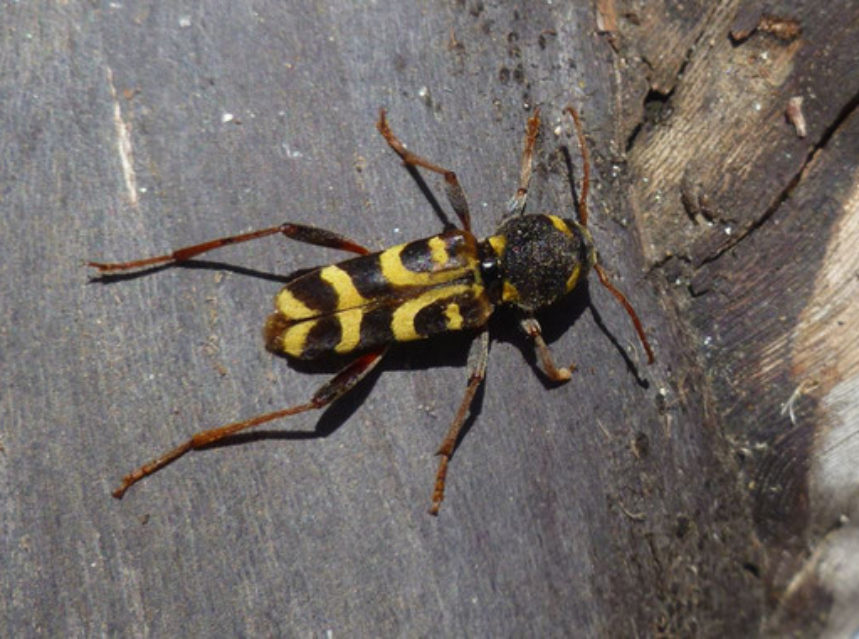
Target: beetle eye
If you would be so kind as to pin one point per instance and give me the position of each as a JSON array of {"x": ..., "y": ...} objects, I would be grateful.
[{"x": 489, "y": 269}]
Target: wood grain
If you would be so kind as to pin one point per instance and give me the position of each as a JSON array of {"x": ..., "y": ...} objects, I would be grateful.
[{"x": 675, "y": 499}]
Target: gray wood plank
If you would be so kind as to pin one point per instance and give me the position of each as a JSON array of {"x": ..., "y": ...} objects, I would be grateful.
[{"x": 606, "y": 506}]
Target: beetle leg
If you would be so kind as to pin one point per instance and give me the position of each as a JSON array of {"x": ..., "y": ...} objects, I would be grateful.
[
  {"x": 532, "y": 328},
  {"x": 477, "y": 358},
  {"x": 298, "y": 232},
  {"x": 453, "y": 189},
  {"x": 517, "y": 202},
  {"x": 336, "y": 387}
]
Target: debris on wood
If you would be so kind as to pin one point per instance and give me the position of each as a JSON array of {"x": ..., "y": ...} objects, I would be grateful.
[
  {"x": 748, "y": 22},
  {"x": 794, "y": 115}
]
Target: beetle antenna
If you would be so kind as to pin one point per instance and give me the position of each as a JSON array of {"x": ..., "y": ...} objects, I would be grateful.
[
  {"x": 620, "y": 297},
  {"x": 583, "y": 220},
  {"x": 586, "y": 167}
]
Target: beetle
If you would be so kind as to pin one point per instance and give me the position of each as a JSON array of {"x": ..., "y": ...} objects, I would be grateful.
[{"x": 448, "y": 282}]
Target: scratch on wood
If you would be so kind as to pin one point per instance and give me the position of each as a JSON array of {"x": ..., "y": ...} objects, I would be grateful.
[
  {"x": 123, "y": 135},
  {"x": 629, "y": 513},
  {"x": 788, "y": 407}
]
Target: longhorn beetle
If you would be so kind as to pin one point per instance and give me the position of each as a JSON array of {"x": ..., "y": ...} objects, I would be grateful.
[{"x": 448, "y": 282}]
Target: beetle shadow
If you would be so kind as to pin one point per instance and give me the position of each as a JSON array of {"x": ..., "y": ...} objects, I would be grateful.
[
  {"x": 430, "y": 196},
  {"x": 428, "y": 354},
  {"x": 567, "y": 158},
  {"x": 631, "y": 366},
  {"x": 332, "y": 417},
  {"x": 205, "y": 265},
  {"x": 419, "y": 355},
  {"x": 554, "y": 322},
  {"x": 413, "y": 356}
]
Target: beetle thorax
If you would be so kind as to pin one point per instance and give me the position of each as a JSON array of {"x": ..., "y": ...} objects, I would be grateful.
[{"x": 540, "y": 258}]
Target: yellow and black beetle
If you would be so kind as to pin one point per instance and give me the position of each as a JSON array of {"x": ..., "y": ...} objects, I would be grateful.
[{"x": 448, "y": 282}]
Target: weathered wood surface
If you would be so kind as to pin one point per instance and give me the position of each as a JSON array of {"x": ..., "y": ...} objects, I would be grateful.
[
  {"x": 761, "y": 235},
  {"x": 674, "y": 499}
]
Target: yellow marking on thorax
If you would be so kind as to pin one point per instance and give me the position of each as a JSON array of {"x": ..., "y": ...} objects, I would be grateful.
[
  {"x": 350, "y": 329},
  {"x": 438, "y": 252},
  {"x": 498, "y": 244},
  {"x": 347, "y": 295},
  {"x": 403, "y": 319},
  {"x": 454, "y": 317},
  {"x": 509, "y": 293},
  {"x": 291, "y": 307},
  {"x": 573, "y": 279},
  {"x": 398, "y": 275},
  {"x": 559, "y": 224},
  {"x": 294, "y": 338}
]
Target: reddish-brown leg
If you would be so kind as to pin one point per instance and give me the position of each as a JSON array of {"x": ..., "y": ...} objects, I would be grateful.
[
  {"x": 298, "y": 232},
  {"x": 454, "y": 191},
  {"x": 336, "y": 387},
  {"x": 477, "y": 358},
  {"x": 561, "y": 374},
  {"x": 557, "y": 374},
  {"x": 517, "y": 203}
]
